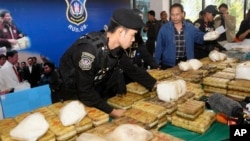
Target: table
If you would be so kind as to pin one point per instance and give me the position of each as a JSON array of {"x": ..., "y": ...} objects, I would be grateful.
[{"x": 217, "y": 132}]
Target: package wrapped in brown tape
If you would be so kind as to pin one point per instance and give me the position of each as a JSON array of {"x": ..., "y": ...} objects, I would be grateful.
[
  {"x": 189, "y": 116},
  {"x": 55, "y": 107},
  {"x": 168, "y": 73},
  {"x": 169, "y": 106},
  {"x": 137, "y": 88},
  {"x": 154, "y": 109},
  {"x": 225, "y": 75},
  {"x": 191, "y": 107},
  {"x": 185, "y": 97},
  {"x": 211, "y": 68},
  {"x": 61, "y": 132},
  {"x": 146, "y": 118},
  {"x": 174, "y": 71},
  {"x": 212, "y": 89},
  {"x": 216, "y": 82},
  {"x": 120, "y": 102},
  {"x": 191, "y": 86},
  {"x": 157, "y": 74},
  {"x": 162, "y": 122},
  {"x": 238, "y": 95},
  {"x": 85, "y": 124},
  {"x": 125, "y": 101},
  {"x": 239, "y": 85},
  {"x": 230, "y": 70},
  {"x": 97, "y": 116},
  {"x": 199, "y": 125},
  {"x": 190, "y": 77},
  {"x": 45, "y": 111},
  {"x": 6, "y": 125},
  {"x": 198, "y": 92}
]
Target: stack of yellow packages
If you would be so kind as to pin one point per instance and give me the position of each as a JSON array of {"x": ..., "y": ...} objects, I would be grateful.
[
  {"x": 239, "y": 87},
  {"x": 159, "y": 111},
  {"x": 192, "y": 115},
  {"x": 215, "y": 84}
]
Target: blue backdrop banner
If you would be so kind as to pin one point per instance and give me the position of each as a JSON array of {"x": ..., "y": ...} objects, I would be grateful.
[{"x": 53, "y": 25}]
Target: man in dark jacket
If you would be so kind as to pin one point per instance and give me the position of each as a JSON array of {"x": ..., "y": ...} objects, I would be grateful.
[
  {"x": 206, "y": 24},
  {"x": 94, "y": 64}
]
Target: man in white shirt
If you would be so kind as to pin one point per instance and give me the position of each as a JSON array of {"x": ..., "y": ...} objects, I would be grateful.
[{"x": 9, "y": 74}]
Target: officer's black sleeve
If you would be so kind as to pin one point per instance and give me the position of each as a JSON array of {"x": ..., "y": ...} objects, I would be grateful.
[
  {"x": 136, "y": 74},
  {"x": 147, "y": 57},
  {"x": 85, "y": 80}
]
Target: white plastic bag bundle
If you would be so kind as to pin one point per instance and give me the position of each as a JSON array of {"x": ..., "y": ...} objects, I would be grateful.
[
  {"x": 215, "y": 56},
  {"x": 184, "y": 66},
  {"x": 243, "y": 71},
  {"x": 171, "y": 90},
  {"x": 129, "y": 132},
  {"x": 195, "y": 64},
  {"x": 30, "y": 128},
  {"x": 89, "y": 137},
  {"x": 73, "y": 112},
  {"x": 212, "y": 35},
  {"x": 192, "y": 64}
]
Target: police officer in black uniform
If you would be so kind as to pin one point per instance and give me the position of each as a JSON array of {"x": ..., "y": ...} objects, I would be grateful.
[
  {"x": 206, "y": 24},
  {"x": 138, "y": 52},
  {"x": 94, "y": 65}
]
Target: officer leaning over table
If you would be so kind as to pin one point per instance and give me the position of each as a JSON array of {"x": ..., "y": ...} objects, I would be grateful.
[{"x": 91, "y": 70}]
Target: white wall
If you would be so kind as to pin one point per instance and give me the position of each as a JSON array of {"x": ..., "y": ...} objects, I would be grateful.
[{"x": 158, "y": 6}]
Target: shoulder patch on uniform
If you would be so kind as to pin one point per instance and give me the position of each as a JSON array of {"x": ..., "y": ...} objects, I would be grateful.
[{"x": 86, "y": 61}]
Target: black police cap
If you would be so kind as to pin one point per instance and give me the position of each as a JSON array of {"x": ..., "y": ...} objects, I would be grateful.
[
  {"x": 211, "y": 9},
  {"x": 127, "y": 18}
]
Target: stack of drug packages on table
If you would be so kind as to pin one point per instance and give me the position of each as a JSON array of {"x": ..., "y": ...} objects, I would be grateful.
[
  {"x": 193, "y": 116},
  {"x": 190, "y": 113},
  {"x": 193, "y": 70},
  {"x": 150, "y": 115},
  {"x": 95, "y": 124},
  {"x": 238, "y": 88},
  {"x": 220, "y": 60},
  {"x": 56, "y": 130},
  {"x": 218, "y": 81}
]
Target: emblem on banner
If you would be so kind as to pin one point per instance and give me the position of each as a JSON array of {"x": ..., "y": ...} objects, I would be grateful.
[{"x": 76, "y": 12}]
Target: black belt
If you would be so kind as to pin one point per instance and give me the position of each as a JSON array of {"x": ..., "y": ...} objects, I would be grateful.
[{"x": 179, "y": 59}]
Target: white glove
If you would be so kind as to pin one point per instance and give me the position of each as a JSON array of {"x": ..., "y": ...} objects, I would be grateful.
[{"x": 212, "y": 35}]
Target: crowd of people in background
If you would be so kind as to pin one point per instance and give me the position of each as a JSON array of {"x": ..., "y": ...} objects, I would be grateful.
[
  {"x": 163, "y": 36},
  {"x": 30, "y": 72}
]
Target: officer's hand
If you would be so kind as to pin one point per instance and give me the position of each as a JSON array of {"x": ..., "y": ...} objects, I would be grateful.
[{"x": 117, "y": 113}]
